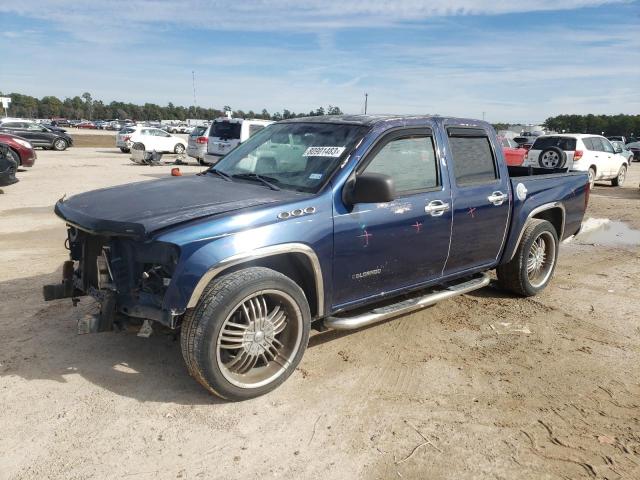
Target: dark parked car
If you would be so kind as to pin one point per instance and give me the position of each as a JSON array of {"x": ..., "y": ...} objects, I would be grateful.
[
  {"x": 332, "y": 222},
  {"x": 20, "y": 150},
  {"x": 37, "y": 135},
  {"x": 8, "y": 167}
]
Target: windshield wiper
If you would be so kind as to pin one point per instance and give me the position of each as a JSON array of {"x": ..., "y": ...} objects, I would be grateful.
[
  {"x": 260, "y": 178},
  {"x": 220, "y": 173}
]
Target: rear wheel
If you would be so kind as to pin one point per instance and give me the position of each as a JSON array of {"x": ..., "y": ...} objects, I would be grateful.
[
  {"x": 124, "y": 150},
  {"x": 534, "y": 262},
  {"x": 179, "y": 149},
  {"x": 592, "y": 177},
  {"x": 60, "y": 144},
  {"x": 619, "y": 180},
  {"x": 247, "y": 334}
]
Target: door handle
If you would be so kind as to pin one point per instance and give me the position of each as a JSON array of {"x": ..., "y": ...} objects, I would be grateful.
[
  {"x": 436, "y": 208},
  {"x": 497, "y": 198}
]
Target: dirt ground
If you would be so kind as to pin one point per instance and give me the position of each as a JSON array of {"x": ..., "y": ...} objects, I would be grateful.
[{"x": 482, "y": 386}]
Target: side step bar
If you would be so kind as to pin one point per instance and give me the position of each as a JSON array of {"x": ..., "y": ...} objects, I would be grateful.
[{"x": 405, "y": 306}]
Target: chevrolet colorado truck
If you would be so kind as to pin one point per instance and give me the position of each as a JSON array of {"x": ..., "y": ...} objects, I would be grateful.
[{"x": 326, "y": 222}]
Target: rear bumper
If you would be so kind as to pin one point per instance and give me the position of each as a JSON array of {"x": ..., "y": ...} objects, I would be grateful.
[{"x": 196, "y": 152}]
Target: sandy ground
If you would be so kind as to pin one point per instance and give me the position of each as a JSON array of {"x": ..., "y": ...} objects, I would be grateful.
[{"x": 483, "y": 386}]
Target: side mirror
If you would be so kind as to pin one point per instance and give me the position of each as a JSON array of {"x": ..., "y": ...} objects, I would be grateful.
[{"x": 371, "y": 188}]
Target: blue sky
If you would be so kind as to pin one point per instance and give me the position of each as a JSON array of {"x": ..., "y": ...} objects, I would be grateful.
[{"x": 517, "y": 61}]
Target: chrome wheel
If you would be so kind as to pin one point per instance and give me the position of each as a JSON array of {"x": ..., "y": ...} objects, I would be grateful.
[
  {"x": 541, "y": 259},
  {"x": 259, "y": 339},
  {"x": 60, "y": 144},
  {"x": 592, "y": 177},
  {"x": 179, "y": 148},
  {"x": 622, "y": 174}
]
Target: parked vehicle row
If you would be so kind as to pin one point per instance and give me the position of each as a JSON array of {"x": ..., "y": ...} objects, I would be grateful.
[{"x": 38, "y": 135}]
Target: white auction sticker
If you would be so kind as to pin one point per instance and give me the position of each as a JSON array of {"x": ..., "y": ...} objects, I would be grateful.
[{"x": 323, "y": 152}]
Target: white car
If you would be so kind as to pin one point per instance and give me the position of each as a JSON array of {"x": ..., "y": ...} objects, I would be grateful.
[
  {"x": 226, "y": 134},
  {"x": 152, "y": 139},
  {"x": 579, "y": 152}
]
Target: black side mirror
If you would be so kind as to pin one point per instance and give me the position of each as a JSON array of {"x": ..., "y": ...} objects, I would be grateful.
[{"x": 371, "y": 188}]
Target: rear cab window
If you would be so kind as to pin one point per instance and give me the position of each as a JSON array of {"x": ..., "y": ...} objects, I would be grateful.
[{"x": 473, "y": 160}]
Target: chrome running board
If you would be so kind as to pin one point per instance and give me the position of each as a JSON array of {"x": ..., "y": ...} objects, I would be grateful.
[{"x": 405, "y": 306}]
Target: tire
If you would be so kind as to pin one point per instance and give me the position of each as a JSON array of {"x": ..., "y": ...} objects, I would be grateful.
[
  {"x": 245, "y": 368},
  {"x": 619, "y": 180},
  {"x": 523, "y": 275},
  {"x": 15, "y": 157},
  {"x": 179, "y": 149},
  {"x": 124, "y": 150},
  {"x": 202, "y": 162},
  {"x": 592, "y": 177},
  {"x": 60, "y": 144},
  {"x": 552, "y": 157}
]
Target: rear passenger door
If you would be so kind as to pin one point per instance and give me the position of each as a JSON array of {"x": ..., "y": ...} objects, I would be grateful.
[{"x": 481, "y": 199}]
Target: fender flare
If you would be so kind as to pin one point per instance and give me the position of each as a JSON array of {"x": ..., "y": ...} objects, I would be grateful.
[
  {"x": 532, "y": 214},
  {"x": 264, "y": 252}
]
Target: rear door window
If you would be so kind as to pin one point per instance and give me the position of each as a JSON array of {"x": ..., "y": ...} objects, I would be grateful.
[
  {"x": 473, "y": 159},
  {"x": 588, "y": 143}
]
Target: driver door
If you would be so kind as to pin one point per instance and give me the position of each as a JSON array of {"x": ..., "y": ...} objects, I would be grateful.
[{"x": 381, "y": 247}]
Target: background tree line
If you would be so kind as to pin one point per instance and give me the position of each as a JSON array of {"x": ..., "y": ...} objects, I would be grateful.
[
  {"x": 620, "y": 124},
  {"x": 85, "y": 107}
]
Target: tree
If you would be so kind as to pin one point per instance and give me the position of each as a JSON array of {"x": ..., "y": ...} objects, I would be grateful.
[{"x": 88, "y": 101}]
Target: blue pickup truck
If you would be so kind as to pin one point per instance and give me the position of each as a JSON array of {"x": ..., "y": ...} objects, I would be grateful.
[{"x": 325, "y": 222}]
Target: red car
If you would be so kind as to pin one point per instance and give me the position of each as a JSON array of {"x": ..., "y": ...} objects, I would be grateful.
[
  {"x": 513, "y": 154},
  {"x": 90, "y": 125},
  {"x": 20, "y": 150}
]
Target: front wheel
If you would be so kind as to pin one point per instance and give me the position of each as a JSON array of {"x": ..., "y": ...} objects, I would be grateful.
[
  {"x": 60, "y": 144},
  {"x": 179, "y": 149},
  {"x": 619, "y": 180},
  {"x": 247, "y": 334},
  {"x": 534, "y": 262}
]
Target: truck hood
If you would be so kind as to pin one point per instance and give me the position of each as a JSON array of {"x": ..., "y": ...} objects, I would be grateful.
[{"x": 137, "y": 209}]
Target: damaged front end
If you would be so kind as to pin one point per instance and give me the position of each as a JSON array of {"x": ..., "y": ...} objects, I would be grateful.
[{"x": 128, "y": 278}]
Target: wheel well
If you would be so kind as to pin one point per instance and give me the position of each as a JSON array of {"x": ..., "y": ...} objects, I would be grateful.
[
  {"x": 19, "y": 157},
  {"x": 555, "y": 217},
  {"x": 296, "y": 266},
  {"x": 594, "y": 168}
]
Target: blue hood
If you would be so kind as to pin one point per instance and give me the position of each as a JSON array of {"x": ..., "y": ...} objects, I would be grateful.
[{"x": 137, "y": 209}]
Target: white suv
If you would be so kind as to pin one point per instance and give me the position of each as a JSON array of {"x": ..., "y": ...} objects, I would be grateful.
[
  {"x": 152, "y": 139},
  {"x": 579, "y": 152},
  {"x": 226, "y": 134}
]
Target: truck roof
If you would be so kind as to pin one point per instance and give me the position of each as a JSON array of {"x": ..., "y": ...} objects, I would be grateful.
[{"x": 370, "y": 120}]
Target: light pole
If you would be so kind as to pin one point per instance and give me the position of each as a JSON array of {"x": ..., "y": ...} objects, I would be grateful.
[{"x": 366, "y": 99}]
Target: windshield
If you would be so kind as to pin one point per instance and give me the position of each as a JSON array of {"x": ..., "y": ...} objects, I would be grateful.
[
  {"x": 293, "y": 156},
  {"x": 226, "y": 130}
]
